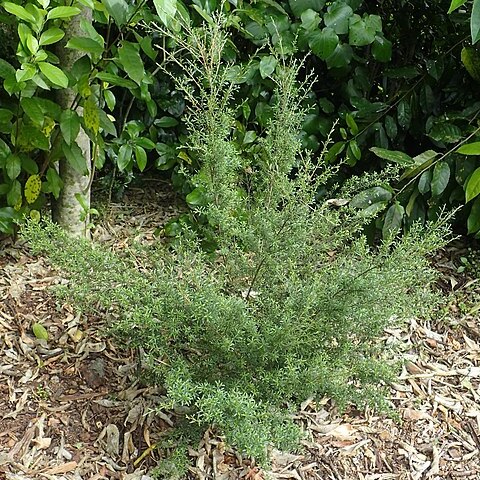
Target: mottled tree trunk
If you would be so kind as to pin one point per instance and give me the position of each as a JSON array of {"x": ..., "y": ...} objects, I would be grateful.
[{"x": 67, "y": 210}]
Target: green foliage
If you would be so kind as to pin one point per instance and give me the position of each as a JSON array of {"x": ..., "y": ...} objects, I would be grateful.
[
  {"x": 292, "y": 300},
  {"x": 34, "y": 131},
  {"x": 415, "y": 97},
  {"x": 474, "y": 18},
  {"x": 412, "y": 100}
]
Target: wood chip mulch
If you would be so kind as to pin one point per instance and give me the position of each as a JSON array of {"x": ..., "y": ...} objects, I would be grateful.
[{"x": 73, "y": 407}]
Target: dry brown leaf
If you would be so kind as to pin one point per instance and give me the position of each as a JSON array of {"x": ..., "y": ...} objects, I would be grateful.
[
  {"x": 282, "y": 459},
  {"x": 413, "y": 369},
  {"x": 64, "y": 468},
  {"x": 412, "y": 414},
  {"x": 113, "y": 439},
  {"x": 42, "y": 443}
]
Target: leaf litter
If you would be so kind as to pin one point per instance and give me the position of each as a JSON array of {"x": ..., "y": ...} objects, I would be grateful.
[{"x": 72, "y": 406}]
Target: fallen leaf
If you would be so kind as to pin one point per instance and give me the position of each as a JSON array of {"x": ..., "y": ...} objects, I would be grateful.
[
  {"x": 64, "y": 468},
  {"x": 412, "y": 414},
  {"x": 42, "y": 442}
]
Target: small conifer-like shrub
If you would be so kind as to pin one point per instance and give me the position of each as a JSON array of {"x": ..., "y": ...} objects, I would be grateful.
[{"x": 291, "y": 301}]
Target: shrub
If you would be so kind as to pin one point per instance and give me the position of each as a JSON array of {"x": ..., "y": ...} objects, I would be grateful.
[{"x": 291, "y": 302}]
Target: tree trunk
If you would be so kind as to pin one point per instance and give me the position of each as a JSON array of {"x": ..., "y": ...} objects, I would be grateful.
[{"x": 67, "y": 211}]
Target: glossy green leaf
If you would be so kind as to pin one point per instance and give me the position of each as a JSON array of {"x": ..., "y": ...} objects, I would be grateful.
[
  {"x": 341, "y": 56},
  {"x": 140, "y": 157},
  {"x": 475, "y": 22},
  {"x": 32, "y": 108},
  {"x": 25, "y": 73},
  {"x": 471, "y": 61},
  {"x": 470, "y": 149},
  {"x": 54, "y": 74},
  {"x": 263, "y": 113},
  {"x": 382, "y": 49},
  {"x": 29, "y": 165},
  {"x": 440, "y": 178},
  {"x": 106, "y": 124},
  {"x": 334, "y": 151},
  {"x": 455, "y": 4},
  {"x": 129, "y": 56},
  {"x": 166, "y": 122},
  {"x": 359, "y": 33},
  {"x": 445, "y": 132},
  {"x": 166, "y": 10},
  {"x": 14, "y": 195},
  {"x": 391, "y": 127},
  {"x": 109, "y": 98},
  {"x": 370, "y": 196},
  {"x": 147, "y": 47},
  {"x": 355, "y": 149},
  {"x": 412, "y": 201},
  {"x": 393, "y": 220},
  {"x": 167, "y": 155},
  {"x": 395, "y": 156},
  {"x": 50, "y": 109},
  {"x": 425, "y": 158},
  {"x": 145, "y": 143},
  {"x": 6, "y": 70},
  {"x": 373, "y": 209},
  {"x": 85, "y": 44},
  {"x": 404, "y": 114},
  {"x": 300, "y": 6},
  {"x": 473, "y": 186},
  {"x": 352, "y": 125},
  {"x": 4, "y": 152},
  {"x": 424, "y": 182},
  {"x": 473, "y": 221},
  {"x": 75, "y": 158},
  {"x": 54, "y": 183},
  {"x": 18, "y": 11},
  {"x": 34, "y": 136},
  {"x": 124, "y": 156},
  {"x": 267, "y": 66},
  {"x": 196, "y": 197},
  {"x": 51, "y": 36},
  {"x": 32, "y": 44},
  {"x": 62, "y": 12},
  {"x": 116, "y": 80},
  {"x": 69, "y": 125},
  {"x": 381, "y": 138},
  {"x": 310, "y": 19},
  {"x": 13, "y": 166},
  {"x": 90, "y": 32},
  {"x": 310, "y": 123},
  {"x": 118, "y": 10},
  {"x": 337, "y": 17},
  {"x": 323, "y": 42},
  {"x": 23, "y": 33},
  {"x": 249, "y": 137}
]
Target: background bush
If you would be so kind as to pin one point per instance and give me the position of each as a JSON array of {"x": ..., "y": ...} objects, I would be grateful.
[{"x": 396, "y": 75}]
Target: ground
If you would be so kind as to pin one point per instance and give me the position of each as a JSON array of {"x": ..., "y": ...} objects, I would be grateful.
[{"x": 74, "y": 407}]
